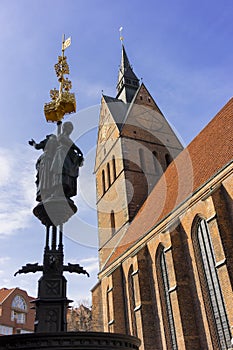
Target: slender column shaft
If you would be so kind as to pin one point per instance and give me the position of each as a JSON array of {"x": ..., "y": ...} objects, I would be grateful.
[
  {"x": 60, "y": 236},
  {"x": 54, "y": 238},
  {"x": 47, "y": 238}
]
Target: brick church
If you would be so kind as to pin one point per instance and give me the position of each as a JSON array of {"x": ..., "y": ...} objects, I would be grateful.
[{"x": 165, "y": 218}]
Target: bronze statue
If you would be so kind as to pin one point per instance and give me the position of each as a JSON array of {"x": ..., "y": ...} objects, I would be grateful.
[
  {"x": 65, "y": 166},
  {"x": 58, "y": 166},
  {"x": 43, "y": 165}
]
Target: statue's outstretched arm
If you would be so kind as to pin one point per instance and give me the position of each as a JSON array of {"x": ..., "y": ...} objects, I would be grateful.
[{"x": 40, "y": 145}]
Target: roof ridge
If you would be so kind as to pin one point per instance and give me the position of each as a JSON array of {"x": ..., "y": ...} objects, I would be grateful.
[
  {"x": 7, "y": 294},
  {"x": 211, "y": 121},
  {"x": 190, "y": 145}
]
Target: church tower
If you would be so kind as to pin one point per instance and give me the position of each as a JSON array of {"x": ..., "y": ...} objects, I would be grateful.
[{"x": 135, "y": 146}]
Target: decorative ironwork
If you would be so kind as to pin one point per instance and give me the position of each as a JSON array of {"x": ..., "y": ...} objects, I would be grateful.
[
  {"x": 54, "y": 94},
  {"x": 63, "y": 101}
]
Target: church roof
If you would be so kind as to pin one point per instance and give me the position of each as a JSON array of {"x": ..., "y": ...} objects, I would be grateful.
[
  {"x": 126, "y": 69},
  {"x": 209, "y": 152},
  {"x": 128, "y": 82}
]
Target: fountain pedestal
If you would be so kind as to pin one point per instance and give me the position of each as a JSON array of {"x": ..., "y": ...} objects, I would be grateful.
[{"x": 70, "y": 341}]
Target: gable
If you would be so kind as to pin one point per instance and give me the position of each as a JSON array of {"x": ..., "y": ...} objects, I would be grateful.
[
  {"x": 143, "y": 97},
  {"x": 145, "y": 121}
]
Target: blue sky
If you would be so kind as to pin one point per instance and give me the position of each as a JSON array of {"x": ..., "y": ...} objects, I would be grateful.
[{"x": 182, "y": 50}]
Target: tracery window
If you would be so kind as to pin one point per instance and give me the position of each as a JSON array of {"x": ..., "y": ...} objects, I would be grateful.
[
  {"x": 19, "y": 309},
  {"x": 169, "y": 325},
  {"x": 213, "y": 297},
  {"x": 19, "y": 303}
]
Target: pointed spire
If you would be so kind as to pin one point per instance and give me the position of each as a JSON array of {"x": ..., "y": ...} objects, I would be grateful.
[{"x": 128, "y": 82}]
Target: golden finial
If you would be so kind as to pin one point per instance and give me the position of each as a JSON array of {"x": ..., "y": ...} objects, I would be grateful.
[
  {"x": 121, "y": 37},
  {"x": 63, "y": 101}
]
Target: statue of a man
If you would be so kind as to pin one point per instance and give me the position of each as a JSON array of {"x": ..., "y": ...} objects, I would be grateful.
[
  {"x": 66, "y": 163},
  {"x": 43, "y": 165}
]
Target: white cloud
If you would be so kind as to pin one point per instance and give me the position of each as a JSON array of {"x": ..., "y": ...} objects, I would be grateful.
[
  {"x": 5, "y": 162},
  {"x": 89, "y": 260},
  {"x": 90, "y": 264},
  {"x": 4, "y": 259},
  {"x": 4, "y": 263},
  {"x": 16, "y": 189}
]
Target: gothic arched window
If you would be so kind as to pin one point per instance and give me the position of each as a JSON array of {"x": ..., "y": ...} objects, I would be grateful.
[
  {"x": 114, "y": 167},
  {"x": 19, "y": 309},
  {"x": 19, "y": 303},
  {"x": 103, "y": 181},
  {"x": 112, "y": 221},
  {"x": 169, "y": 325},
  {"x": 168, "y": 159},
  {"x": 213, "y": 298},
  {"x": 109, "y": 175},
  {"x": 108, "y": 305},
  {"x": 132, "y": 302}
]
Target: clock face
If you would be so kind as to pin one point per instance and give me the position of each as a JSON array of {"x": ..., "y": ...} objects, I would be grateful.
[{"x": 150, "y": 121}]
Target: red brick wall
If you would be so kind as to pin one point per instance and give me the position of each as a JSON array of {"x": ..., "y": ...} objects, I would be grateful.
[
  {"x": 192, "y": 323},
  {"x": 5, "y": 318}
]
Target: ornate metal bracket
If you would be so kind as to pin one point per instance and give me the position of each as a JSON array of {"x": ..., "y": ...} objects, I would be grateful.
[
  {"x": 68, "y": 268},
  {"x": 75, "y": 268},
  {"x": 30, "y": 268}
]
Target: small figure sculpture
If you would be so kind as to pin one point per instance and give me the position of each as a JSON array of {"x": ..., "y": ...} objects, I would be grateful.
[
  {"x": 43, "y": 165},
  {"x": 66, "y": 163}
]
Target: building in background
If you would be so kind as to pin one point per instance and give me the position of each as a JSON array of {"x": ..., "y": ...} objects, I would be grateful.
[
  {"x": 79, "y": 319},
  {"x": 16, "y": 313},
  {"x": 165, "y": 218}
]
